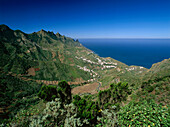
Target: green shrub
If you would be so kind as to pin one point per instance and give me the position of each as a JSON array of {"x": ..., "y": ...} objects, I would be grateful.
[
  {"x": 144, "y": 113},
  {"x": 64, "y": 91},
  {"x": 87, "y": 109},
  {"x": 149, "y": 88},
  {"x": 107, "y": 118},
  {"x": 115, "y": 94},
  {"x": 48, "y": 92},
  {"x": 56, "y": 114},
  {"x": 16, "y": 94}
]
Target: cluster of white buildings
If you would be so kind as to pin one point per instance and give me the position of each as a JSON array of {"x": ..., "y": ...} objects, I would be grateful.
[
  {"x": 83, "y": 68},
  {"x": 112, "y": 66},
  {"x": 130, "y": 69},
  {"x": 133, "y": 68},
  {"x": 92, "y": 73},
  {"x": 88, "y": 70},
  {"x": 100, "y": 62},
  {"x": 104, "y": 62},
  {"x": 85, "y": 60},
  {"x": 91, "y": 80},
  {"x": 104, "y": 65},
  {"x": 141, "y": 67}
]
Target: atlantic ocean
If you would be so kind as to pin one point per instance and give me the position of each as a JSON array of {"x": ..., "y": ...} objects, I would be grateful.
[{"x": 140, "y": 52}]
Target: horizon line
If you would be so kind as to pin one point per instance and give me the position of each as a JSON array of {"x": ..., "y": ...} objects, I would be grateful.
[{"x": 118, "y": 38}]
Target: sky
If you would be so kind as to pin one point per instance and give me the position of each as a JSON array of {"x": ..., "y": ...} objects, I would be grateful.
[{"x": 89, "y": 18}]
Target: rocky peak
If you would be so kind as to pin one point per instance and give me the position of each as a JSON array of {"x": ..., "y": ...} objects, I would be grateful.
[
  {"x": 4, "y": 27},
  {"x": 42, "y": 32},
  {"x": 58, "y": 34}
]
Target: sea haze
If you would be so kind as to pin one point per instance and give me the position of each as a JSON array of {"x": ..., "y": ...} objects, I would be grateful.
[{"x": 140, "y": 52}]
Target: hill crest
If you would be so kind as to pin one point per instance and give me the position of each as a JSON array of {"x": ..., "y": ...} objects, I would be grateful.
[{"x": 62, "y": 58}]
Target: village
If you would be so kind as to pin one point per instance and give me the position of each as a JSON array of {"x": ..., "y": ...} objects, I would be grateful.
[{"x": 104, "y": 65}]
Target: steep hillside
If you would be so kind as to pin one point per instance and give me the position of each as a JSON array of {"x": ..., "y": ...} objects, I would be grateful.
[
  {"x": 44, "y": 55},
  {"x": 111, "y": 93},
  {"x": 158, "y": 70},
  {"x": 16, "y": 94},
  {"x": 157, "y": 89}
]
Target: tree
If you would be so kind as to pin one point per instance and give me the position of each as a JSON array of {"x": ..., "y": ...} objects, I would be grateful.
[
  {"x": 48, "y": 93},
  {"x": 64, "y": 91},
  {"x": 114, "y": 95},
  {"x": 86, "y": 109}
]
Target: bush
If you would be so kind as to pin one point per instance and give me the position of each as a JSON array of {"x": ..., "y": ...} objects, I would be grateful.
[
  {"x": 16, "y": 94},
  {"x": 107, "y": 118},
  {"x": 148, "y": 88},
  {"x": 57, "y": 114},
  {"x": 144, "y": 113},
  {"x": 87, "y": 109},
  {"x": 48, "y": 92},
  {"x": 115, "y": 94},
  {"x": 64, "y": 91}
]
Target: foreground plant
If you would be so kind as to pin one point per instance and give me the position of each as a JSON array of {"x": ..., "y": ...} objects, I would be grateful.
[
  {"x": 144, "y": 114},
  {"x": 57, "y": 114}
]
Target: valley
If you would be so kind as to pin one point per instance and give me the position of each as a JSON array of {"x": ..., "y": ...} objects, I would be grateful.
[
  {"x": 44, "y": 69},
  {"x": 53, "y": 57}
]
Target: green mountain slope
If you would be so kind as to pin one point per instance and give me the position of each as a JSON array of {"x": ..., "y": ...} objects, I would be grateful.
[
  {"x": 44, "y": 55},
  {"x": 159, "y": 70},
  {"x": 43, "y": 50},
  {"x": 16, "y": 94}
]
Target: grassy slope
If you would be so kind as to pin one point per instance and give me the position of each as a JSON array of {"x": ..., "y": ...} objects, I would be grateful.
[
  {"x": 42, "y": 50},
  {"x": 55, "y": 56},
  {"x": 16, "y": 94}
]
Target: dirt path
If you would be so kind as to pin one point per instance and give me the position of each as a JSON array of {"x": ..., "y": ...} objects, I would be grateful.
[{"x": 89, "y": 88}]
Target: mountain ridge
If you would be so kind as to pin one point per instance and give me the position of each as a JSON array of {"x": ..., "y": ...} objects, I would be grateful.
[
  {"x": 48, "y": 51},
  {"x": 102, "y": 89}
]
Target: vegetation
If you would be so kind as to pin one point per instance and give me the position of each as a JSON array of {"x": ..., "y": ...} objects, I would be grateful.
[
  {"x": 87, "y": 109},
  {"x": 26, "y": 58},
  {"x": 48, "y": 93},
  {"x": 16, "y": 94},
  {"x": 157, "y": 89},
  {"x": 62, "y": 91},
  {"x": 114, "y": 95},
  {"x": 43, "y": 50},
  {"x": 144, "y": 113},
  {"x": 84, "y": 111}
]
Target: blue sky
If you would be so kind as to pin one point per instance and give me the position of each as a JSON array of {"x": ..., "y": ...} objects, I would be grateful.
[{"x": 90, "y": 18}]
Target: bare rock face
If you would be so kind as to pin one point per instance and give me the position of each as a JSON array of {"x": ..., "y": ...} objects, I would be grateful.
[{"x": 31, "y": 72}]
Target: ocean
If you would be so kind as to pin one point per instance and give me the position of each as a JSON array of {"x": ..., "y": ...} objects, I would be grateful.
[{"x": 140, "y": 52}]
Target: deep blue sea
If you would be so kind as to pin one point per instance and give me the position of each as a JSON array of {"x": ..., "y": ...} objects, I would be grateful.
[{"x": 141, "y": 52}]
